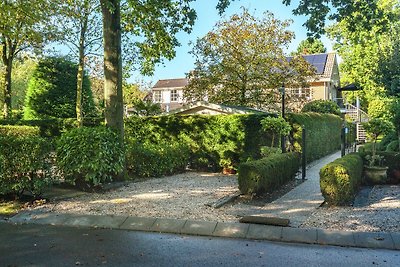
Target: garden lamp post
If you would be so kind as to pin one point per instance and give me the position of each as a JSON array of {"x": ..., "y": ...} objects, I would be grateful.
[{"x": 283, "y": 141}]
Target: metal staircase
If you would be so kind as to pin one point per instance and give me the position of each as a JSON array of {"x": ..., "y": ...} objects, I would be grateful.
[{"x": 358, "y": 116}]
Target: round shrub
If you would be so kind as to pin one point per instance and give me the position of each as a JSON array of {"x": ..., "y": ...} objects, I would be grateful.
[
  {"x": 51, "y": 91},
  {"x": 322, "y": 106},
  {"x": 89, "y": 157}
]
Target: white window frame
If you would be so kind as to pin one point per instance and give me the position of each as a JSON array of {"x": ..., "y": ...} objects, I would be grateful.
[
  {"x": 174, "y": 95},
  {"x": 157, "y": 97}
]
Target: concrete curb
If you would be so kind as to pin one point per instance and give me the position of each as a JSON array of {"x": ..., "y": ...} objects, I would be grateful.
[{"x": 216, "y": 229}]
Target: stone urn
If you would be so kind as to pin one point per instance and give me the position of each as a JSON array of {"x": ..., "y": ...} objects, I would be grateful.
[{"x": 375, "y": 174}]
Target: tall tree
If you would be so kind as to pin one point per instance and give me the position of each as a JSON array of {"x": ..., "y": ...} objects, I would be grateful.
[
  {"x": 365, "y": 53},
  {"x": 155, "y": 23},
  {"x": 23, "y": 25},
  {"x": 361, "y": 14},
  {"x": 310, "y": 46},
  {"x": 81, "y": 24},
  {"x": 242, "y": 62}
]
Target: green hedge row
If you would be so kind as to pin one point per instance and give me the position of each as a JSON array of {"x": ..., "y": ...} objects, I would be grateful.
[
  {"x": 24, "y": 164},
  {"x": 19, "y": 130},
  {"x": 214, "y": 141},
  {"x": 340, "y": 179},
  {"x": 267, "y": 174},
  {"x": 54, "y": 127},
  {"x": 155, "y": 160},
  {"x": 322, "y": 133}
]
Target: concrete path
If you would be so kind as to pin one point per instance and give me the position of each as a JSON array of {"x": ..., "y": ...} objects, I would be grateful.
[{"x": 298, "y": 204}]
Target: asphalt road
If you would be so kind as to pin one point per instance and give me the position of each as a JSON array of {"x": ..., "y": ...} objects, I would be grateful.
[{"x": 39, "y": 245}]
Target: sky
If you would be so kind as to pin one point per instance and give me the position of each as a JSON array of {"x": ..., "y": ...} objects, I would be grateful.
[{"x": 207, "y": 17}]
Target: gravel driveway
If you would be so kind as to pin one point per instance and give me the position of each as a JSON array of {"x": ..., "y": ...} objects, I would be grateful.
[{"x": 188, "y": 195}]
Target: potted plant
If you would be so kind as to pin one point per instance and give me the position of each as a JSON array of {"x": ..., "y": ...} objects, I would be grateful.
[{"x": 375, "y": 172}]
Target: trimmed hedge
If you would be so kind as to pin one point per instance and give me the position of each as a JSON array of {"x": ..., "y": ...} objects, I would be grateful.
[
  {"x": 18, "y": 131},
  {"x": 340, "y": 179},
  {"x": 267, "y": 174},
  {"x": 90, "y": 156},
  {"x": 155, "y": 160},
  {"x": 24, "y": 164},
  {"x": 54, "y": 127},
  {"x": 214, "y": 141},
  {"x": 322, "y": 106},
  {"x": 322, "y": 133}
]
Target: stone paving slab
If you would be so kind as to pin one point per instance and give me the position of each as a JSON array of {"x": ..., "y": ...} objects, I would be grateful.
[
  {"x": 199, "y": 228},
  {"x": 138, "y": 223},
  {"x": 267, "y": 232},
  {"x": 300, "y": 235},
  {"x": 105, "y": 221},
  {"x": 235, "y": 230},
  {"x": 167, "y": 226},
  {"x": 334, "y": 237},
  {"x": 373, "y": 240}
]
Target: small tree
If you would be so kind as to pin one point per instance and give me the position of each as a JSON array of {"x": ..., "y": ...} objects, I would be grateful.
[
  {"x": 276, "y": 127},
  {"x": 52, "y": 91},
  {"x": 375, "y": 128},
  {"x": 322, "y": 106}
]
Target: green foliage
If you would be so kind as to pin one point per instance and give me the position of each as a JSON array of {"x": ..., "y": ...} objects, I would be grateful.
[
  {"x": 234, "y": 65},
  {"x": 24, "y": 164},
  {"x": 319, "y": 129},
  {"x": 380, "y": 108},
  {"x": 54, "y": 127},
  {"x": 18, "y": 131},
  {"x": 52, "y": 91},
  {"x": 376, "y": 127},
  {"x": 267, "y": 174},
  {"x": 276, "y": 127},
  {"x": 214, "y": 141},
  {"x": 90, "y": 156},
  {"x": 322, "y": 106},
  {"x": 310, "y": 46},
  {"x": 359, "y": 15},
  {"x": 146, "y": 108},
  {"x": 341, "y": 179},
  {"x": 393, "y": 146},
  {"x": 391, "y": 160},
  {"x": 155, "y": 160}
]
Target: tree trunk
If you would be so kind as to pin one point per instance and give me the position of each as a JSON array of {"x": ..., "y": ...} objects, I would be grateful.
[
  {"x": 113, "y": 65},
  {"x": 7, "y": 61},
  {"x": 81, "y": 68}
]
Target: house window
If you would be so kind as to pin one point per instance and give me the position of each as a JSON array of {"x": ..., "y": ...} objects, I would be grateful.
[
  {"x": 301, "y": 93},
  {"x": 157, "y": 97},
  {"x": 174, "y": 95}
]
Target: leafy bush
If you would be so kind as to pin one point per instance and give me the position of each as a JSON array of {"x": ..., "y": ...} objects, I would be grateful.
[
  {"x": 393, "y": 146},
  {"x": 214, "y": 141},
  {"x": 322, "y": 133},
  {"x": 24, "y": 164},
  {"x": 267, "y": 174},
  {"x": 276, "y": 127},
  {"x": 322, "y": 106},
  {"x": 12, "y": 130},
  {"x": 340, "y": 179},
  {"x": 51, "y": 91},
  {"x": 90, "y": 156},
  {"x": 54, "y": 127},
  {"x": 155, "y": 160}
]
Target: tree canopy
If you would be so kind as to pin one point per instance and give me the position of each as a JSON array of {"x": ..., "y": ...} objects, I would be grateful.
[
  {"x": 310, "y": 46},
  {"x": 242, "y": 62},
  {"x": 23, "y": 25},
  {"x": 52, "y": 91}
]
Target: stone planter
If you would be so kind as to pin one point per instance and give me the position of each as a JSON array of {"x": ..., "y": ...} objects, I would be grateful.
[{"x": 375, "y": 174}]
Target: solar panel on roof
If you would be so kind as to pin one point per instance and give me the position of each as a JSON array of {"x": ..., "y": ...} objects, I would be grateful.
[{"x": 319, "y": 59}]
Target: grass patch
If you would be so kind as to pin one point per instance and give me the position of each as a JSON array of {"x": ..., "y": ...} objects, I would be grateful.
[{"x": 10, "y": 207}]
